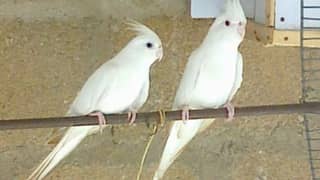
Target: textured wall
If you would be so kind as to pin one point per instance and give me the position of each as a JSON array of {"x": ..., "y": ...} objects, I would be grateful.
[
  {"x": 63, "y": 10},
  {"x": 44, "y": 62}
]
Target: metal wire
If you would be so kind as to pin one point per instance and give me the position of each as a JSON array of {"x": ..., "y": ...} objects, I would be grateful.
[{"x": 309, "y": 79}]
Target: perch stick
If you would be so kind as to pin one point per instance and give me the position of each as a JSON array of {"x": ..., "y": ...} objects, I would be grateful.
[{"x": 149, "y": 117}]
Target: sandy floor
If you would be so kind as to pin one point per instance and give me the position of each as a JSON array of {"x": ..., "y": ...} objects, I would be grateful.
[{"x": 43, "y": 65}]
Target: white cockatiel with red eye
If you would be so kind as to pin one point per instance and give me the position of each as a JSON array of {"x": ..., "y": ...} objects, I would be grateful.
[
  {"x": 212, "y": 76},
  {"x": 119, "y": 85}
]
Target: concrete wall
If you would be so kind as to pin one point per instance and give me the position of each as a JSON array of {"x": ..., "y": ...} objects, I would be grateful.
[
  {"x": 61, "y": 9},
  {"x": 50, "y": 50}
]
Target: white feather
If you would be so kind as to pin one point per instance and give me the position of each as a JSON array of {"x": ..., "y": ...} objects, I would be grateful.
[
  {"x": 212, "y": 76},
  {"x": 238, "y": 78},
  {"x": 140, "y": 29},
  {"x": 119, "y": 85}
]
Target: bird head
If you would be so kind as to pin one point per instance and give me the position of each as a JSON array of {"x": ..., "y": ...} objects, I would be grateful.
[
  {"x": 232, "y": 20},
  {"x": 146, "y": 42}
]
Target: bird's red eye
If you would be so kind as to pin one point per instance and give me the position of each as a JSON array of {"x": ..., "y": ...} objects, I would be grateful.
[{"x": 227, "y": 23}]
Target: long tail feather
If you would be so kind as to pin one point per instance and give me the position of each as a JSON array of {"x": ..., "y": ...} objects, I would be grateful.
[
  {"x": 180, "y": 135},
  {"x": 70, "y": 140}
]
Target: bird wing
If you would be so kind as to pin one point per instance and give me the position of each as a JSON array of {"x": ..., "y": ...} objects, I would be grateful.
[
  {"x": 189, "y": 79},
  {"x": 181, "y": 133},
  {"x": 98, "y": 84},
  {"x": 142, "y": 97},
  {"x": 238, "y": 79}
]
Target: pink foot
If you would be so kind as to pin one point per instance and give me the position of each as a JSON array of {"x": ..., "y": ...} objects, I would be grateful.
[
  {"x": 230, "y": 111},
  {"x": 185, "y": 114},
  {"x": 101, "y": 119},
  {"x": 132, "y": 117}
]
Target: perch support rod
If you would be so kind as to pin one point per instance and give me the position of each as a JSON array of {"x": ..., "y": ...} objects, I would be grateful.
[{"x": 149, "y": 117}]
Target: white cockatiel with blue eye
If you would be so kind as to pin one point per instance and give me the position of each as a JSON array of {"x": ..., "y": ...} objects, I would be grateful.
[
  {"x": 211, "y": 78},
  {"x": 119, "y": 85}
]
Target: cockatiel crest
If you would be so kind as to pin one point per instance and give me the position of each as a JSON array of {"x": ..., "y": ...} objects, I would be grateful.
[
  {"x": 233, "y": 10},
  {"x": 232, "y": 18},
  {"x": 146, "y": 42},
  {"x": 142, "y": 30}
]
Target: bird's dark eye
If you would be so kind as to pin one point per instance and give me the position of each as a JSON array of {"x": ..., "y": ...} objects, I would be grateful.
[
  {"x": 227, "y": 23},
  {"x": 149, "y": 45}
]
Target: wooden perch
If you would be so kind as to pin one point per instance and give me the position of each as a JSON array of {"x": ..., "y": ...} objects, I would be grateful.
[{"x": 149, "y": 117}]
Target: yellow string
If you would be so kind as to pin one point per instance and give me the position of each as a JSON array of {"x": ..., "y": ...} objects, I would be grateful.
[{"x": 162, "y": 115}]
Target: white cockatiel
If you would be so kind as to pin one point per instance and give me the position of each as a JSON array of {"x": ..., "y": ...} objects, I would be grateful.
[
  {"x": 211, "y": 78},
  {"x": 119, "y": 85}
]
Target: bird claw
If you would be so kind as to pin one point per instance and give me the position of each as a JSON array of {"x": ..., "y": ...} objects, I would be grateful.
[
  {"x": 185, "y": 114},
  {"x": 101, "y": 119},
  {"x": 132, "y": 117},
  {"x": 230, "y": 111}
]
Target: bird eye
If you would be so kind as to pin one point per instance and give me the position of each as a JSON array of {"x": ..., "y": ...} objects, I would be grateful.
[
  {"x": 227, "y": 23},
  {"x": 149, "y": 45},
  {"x": 240, "y": 23}
]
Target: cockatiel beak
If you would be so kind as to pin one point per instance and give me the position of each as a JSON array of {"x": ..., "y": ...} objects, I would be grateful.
[
  {"x": 241, "y": 30},
  {"x": 159, "y": 54}
]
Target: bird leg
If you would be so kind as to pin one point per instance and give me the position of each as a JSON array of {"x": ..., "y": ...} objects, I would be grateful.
[
  {"x": 230, "y": 111},
  {"x": 185, "y": 114},
  {"x": 102, "y": 121},
  {"x": 132, "y": 117}
]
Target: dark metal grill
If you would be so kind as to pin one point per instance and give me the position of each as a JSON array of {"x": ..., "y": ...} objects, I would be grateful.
[{"x": 310, "y": 63}]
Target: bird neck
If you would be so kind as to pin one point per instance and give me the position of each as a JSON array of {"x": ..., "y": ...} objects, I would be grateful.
[
  {"x": 135, "y": 66},
  {"x": 227, "y": 38},
  {"x": 134, "y": 58},
  {"x": 219, "y": 44}
]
